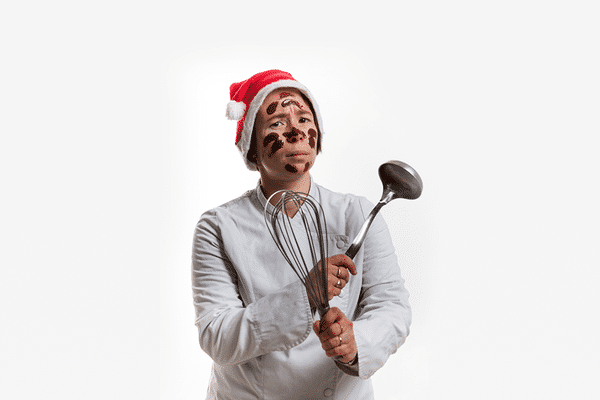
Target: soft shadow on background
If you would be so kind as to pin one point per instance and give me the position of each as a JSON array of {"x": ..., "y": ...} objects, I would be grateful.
[{"x": 115, "y": 141}]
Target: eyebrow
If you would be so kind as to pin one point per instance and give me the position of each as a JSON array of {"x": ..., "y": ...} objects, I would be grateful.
[{"x": 302, "y": 111}]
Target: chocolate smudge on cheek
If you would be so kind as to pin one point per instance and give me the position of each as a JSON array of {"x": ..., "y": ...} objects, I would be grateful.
[
  {"x": 306, "y": 166},
  {"x": 278, "y": 145},
  {"x": 291, "y": 168},
  {"x": 272, "y": 107},
  {"x": 271, "y": 137},
  {"x": 312, "y": 137}
]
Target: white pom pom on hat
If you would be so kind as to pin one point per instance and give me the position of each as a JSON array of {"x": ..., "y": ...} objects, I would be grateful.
[
  {"x": 247, "y": 97},
  {"x": 235, "y": 110}
]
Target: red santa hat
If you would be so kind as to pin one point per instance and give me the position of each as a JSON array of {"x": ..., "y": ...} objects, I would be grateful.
[{"x": 247, "y": 97}]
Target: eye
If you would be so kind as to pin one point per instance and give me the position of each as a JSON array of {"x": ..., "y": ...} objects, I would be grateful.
[
  {"x": 303, "y": 120},
  {"x": 276, "y": 124}
]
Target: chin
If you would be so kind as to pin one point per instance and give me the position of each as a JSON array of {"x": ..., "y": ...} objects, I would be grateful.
[{"x": 298, "y": 167}]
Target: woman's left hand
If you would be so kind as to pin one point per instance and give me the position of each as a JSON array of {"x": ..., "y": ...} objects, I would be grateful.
[
  {"x": 337, "y": 336},
  {"x": 339, "y": 269}
]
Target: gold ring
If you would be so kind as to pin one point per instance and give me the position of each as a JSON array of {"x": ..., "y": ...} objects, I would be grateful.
[
  {"x": 338, "y": 274},
  {"x": 341, "y": 341}
]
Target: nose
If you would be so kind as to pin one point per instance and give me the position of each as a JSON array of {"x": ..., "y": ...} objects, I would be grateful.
[{"x": 294, "y": 135}]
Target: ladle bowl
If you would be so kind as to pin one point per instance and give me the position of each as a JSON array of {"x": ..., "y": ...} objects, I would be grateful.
[{"x": 399, "y": 180}]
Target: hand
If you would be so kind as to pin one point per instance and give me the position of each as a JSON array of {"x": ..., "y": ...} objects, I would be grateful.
[
  {"x": 339, "y": 268},
  {"x": 330, "y": 329}
]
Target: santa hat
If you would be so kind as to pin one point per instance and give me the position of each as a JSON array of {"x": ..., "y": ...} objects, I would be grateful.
[{"x": 247, "y": 97}]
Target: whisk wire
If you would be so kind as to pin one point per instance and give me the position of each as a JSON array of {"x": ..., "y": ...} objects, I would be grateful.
[{"x": 289, "y": 241}]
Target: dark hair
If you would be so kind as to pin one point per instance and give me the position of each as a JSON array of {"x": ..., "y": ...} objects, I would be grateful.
[{"x": 252, "y": 150}]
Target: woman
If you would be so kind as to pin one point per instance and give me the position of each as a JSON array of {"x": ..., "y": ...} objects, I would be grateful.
[{"x": 254, "y": 317}]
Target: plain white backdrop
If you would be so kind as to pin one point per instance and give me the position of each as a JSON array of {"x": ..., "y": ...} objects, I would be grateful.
[{"x": 114, "y": 141}]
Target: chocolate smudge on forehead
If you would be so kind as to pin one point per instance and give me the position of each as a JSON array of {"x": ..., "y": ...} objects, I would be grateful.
[
  {"x": 272, "y": 107},
  {"x": 285, "y": 94},
  {"x": 287, "y": 102}
]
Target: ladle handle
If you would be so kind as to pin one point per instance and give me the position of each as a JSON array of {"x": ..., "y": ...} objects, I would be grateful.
[{"x": 360, "y": 238}]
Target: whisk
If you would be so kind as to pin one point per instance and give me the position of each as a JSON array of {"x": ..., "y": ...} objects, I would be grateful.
[
  {"x": 298, "y": 226},
  {"x": 399, "y": 180}
]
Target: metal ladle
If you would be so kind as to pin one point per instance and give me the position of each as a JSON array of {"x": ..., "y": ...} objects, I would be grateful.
[{"x": 399, "y": 180}]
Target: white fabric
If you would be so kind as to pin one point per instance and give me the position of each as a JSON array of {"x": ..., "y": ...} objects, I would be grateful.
[{"x": 253, "y": 314}]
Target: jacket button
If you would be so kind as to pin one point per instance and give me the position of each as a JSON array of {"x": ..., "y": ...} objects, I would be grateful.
[
  {"x": 328, "y": 392},
  {"x": 340, "y": 244}
]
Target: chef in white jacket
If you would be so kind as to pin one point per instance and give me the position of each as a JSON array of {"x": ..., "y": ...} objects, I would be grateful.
[{"x": 254, "y": 317}]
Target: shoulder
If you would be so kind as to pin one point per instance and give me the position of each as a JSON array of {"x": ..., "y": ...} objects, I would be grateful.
[
  {"x": 345, "y": 211},
  {"x": 348, "y": 203},
  {"x": 238, "y": 206}
]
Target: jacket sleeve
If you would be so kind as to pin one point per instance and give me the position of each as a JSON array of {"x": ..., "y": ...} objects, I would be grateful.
[
  {"x": 383, "y": 314},
  {"x": 232, "y": 332}
]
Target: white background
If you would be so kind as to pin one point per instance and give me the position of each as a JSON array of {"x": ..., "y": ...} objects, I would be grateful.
[{"x": 114, "y": 141}]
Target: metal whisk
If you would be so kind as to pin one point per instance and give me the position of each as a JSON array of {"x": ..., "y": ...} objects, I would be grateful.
[{"x": 298, "y": 227}]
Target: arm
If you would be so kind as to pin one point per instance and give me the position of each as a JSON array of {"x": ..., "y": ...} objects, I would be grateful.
[
  {"x": 232, "y": 332},
  {"x": 383, "y": 316}
]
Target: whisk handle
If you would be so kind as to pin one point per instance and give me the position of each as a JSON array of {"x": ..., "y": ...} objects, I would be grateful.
[{"x": 322, "y": 311}]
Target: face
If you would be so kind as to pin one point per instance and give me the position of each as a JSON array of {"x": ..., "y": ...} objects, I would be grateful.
[{"x": 286, "y": 135}]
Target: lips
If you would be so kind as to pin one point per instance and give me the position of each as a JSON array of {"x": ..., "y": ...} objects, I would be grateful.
[{"x": 296, "y": 154}]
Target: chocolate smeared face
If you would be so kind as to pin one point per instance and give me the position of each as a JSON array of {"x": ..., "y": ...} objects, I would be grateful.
[
  {"x": 272, "y": 107},
  {"x": 312, "y": 137},
  {"x": 277, "y": 143},
  {"x": 294, "y": 135},
  {"x": 286, "y": 135},
  {"x": 288, "y": 102},
  {"x": 291, "y": 168}
]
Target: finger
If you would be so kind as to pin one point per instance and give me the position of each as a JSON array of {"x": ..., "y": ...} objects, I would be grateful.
[
  {"x": 317, "y": 327},
  {"x": 333, "y": 270},
  {"x": 345, "y": 352},
  {"x": 333, "y": 315},
  {"x": 339, "y": 351},
  {"x": 342, "y": 327},
  {"x": 339, "y": 272},
  {"x": 343, "y": 260},
  {"x": 333, "y": 342},
  {"x": 332, "y": 292},
  {"x": 329, "y": 332},
  {"x": 346, "y": 324},
  {"x": 329, "y": 326},
  {"x": 334, "y": 281}
]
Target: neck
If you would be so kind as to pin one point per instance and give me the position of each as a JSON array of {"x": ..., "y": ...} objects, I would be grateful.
[{"x": 300, "y": 185}]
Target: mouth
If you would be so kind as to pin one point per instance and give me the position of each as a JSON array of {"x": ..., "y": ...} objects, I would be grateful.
[{"x": 297, "y": 154}]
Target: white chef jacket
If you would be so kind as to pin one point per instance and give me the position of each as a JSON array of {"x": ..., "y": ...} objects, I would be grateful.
[{"x": 253, "y": 313}]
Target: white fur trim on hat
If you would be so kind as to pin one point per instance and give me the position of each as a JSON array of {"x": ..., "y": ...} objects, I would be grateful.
[{"x": 235, "y": 110}]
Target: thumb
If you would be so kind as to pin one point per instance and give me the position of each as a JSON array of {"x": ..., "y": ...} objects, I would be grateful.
[
  {"x": 317, "y": 327},
  {"x": 342, "y": 260}
]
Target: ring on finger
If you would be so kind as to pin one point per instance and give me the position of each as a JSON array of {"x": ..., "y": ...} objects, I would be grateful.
[
  {"x": 339, "y": 274},
  {"x": 339, "y": 284},
  {"x": 341, "y": 341}
]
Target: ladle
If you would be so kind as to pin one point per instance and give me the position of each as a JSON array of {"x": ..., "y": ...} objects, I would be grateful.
[{"x": 399, "y": 180}]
